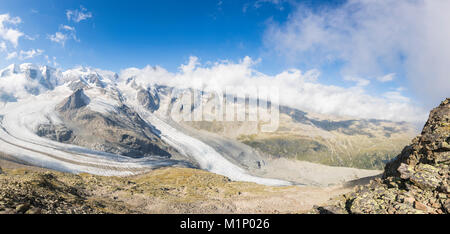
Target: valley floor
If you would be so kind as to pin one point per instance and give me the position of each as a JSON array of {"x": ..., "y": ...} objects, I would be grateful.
[{"x": 27, "y": 189}]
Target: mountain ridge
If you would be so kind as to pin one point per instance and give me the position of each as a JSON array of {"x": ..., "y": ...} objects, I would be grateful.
[{"x": 104, "y": 115}]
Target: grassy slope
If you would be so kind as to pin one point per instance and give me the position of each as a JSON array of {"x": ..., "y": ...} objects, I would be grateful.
[
  {"x": 166, "y": 190},
  {"x": 349, "y": 152}
]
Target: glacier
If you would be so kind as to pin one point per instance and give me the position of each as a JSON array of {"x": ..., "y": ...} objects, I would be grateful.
[{"x": 29, "y": 95}]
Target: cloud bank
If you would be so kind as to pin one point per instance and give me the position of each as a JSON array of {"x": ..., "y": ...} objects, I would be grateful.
[
  {"x": 298, "y": 89},
  {"x": 373, "y": 38}
]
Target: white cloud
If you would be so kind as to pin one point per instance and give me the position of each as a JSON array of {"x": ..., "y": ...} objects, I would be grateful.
[
  {"x": 193, "y": 62},
  {"x": 2, "y": 46},
  {"x": 10, "y": 34},
  {"x": 277, "y": 3},
  {"x": 259, "y": 3},
  {"x": 31, "y": 38},
  {"x": 67, "y": 32},
  {"x": 11, "y": 55},
  {"x": 51, "y": 61},
  {"x": 396, "y": 96},
  {"x": 58, "y": 37},
  {"x": 16, "y": 86},
  {"x": 386, "y": 78},
  {"x": 78, "y": 15},
  {"x": 68, "y": 28},
  {"x": 297, "y": 89},
  {"x": 359, "y": 81},
  {"x": 24, "y": 54},
  {"x": 30, "y": 54},
  {"x": 400, "y": 89},
  {"x": 371, "y": 37}
]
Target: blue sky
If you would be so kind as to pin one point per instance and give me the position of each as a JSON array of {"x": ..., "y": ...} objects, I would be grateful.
[
  {"x": 122, "y": 34},
  {"x": 366, "y": 44}
]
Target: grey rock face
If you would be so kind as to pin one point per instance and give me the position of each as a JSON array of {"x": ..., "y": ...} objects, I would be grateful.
[
  {"x": 75, "y": 101},
  {"x": 75, "y": 85},
  {"x": 430, "y": 147},
  {"x": 416, "y": 181},
  {"x": 55, "y": 132},
  {"x": 31, "y": 73},
  {"x": 148, "y": 100},
  {"x": 46, "y": 78},
  {"x": 96, "y": 80},
  {"x": 121, "y": 132}
]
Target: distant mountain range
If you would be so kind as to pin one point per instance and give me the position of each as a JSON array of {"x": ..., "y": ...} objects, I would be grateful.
[{"x": 95, "y": 121}]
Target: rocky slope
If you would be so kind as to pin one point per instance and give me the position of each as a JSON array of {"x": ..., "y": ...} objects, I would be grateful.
[
  {"x": 416, "y": 181},
  {"x": 121, "y": 132}
]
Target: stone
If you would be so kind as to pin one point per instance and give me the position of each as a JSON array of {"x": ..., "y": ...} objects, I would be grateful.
[
  {"x": 409, "y": 200},
  {"x": 444, "y": 146},
  {"x": 391, "y": 210},
  {"x": 446, "y": 206},
  {"x": 332, "y": 210},
  {"x": 7, "y": 211},
  {"x": 426, "y": 177},
  {"x": 34, "y": 210},
  {"x": 435, "y": 205},
  {"x": 405, "y": 171},
  {"x": 22, "y": 208},
  {"x": 420, "y": 206},
  {"x": 445, "y": 188}
]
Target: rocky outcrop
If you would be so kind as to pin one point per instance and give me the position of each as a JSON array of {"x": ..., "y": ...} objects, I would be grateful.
[
  {"x": 75, "y": 101},
  {"x": 148, "y": 100},
  {"x": 58, "y": 133},
  {"x": 430, "y": 148},
  {"x": 95, "y": 79},
  {"x": 121, "y": 131},
  {"x": 416, "y": 181}
]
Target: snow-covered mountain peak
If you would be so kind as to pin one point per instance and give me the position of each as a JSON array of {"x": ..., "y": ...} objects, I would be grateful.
[
  {"x": 9, "y": 70},
  {"x": 22, "y": 80},
  {"x": 90, "y": 76}
]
